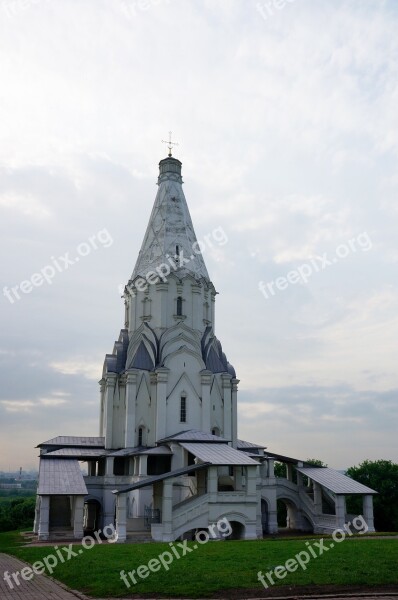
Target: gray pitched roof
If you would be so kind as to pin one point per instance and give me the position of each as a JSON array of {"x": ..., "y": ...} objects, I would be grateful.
[
  {"x": 60, "y": 477},
  {"x": 141, "y": 450},
  {"x": 218, "y": 454},
  {"x": 195, "y": 435},
  {"x": 242, "y": 444},
  {"x": 82, "y": 453},
  {"x": 334, "y": 481},
  {"x": 69, "y": 440}
]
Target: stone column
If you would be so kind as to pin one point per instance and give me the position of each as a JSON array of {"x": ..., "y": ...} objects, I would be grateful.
[
  {"x": 238, "y": 478},
  {"x": 109, "y": 394},
  {"x": 109, "y": 508},
  {"x": 318, "y": 498},
  {"x": 289, "y": 471},
  {"x": 109, "y": 466},
  {"x": 44, "y": 518},
  {"x": 234, "y": 402},
  {"x": 161, "y": 400},
  {"x": 143, "y": 465},
  {"x": 271, "y": 471},
  {"x": 78, "y": 515},
  {"x": 272, "y": 512},
  {"x": 121, "y": 518},
  {"x": 131, "y": 394},
  {"x": 340, "y": 511},
  {"x": 367, "y": 504},
  {"x": 227, "y": 388},
  {"x": 37, "y": 515},
  {"x": 212, "y": 483},
  {"x": 251, "y": 480},
  {"x": 206, "y": 377},
  {"x": 167, "y": 510}
]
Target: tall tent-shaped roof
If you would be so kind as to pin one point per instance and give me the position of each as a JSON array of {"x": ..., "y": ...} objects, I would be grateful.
[{"x": 170, "y": 238}]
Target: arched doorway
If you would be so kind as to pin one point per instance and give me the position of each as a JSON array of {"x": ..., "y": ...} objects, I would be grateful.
[
  {"x": 238, "y": 531},
  {"x": 92, "y": 515},
  {"x": 287, "y": 515}
]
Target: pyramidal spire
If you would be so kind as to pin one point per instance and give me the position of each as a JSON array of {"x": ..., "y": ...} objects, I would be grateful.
[{"x": 170, "y": 237}]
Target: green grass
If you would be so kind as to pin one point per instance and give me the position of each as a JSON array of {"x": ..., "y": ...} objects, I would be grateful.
[{"x": 217, "y": 565}]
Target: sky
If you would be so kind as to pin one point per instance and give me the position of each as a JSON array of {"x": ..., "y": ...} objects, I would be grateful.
[{"x": 286, "y": 116}]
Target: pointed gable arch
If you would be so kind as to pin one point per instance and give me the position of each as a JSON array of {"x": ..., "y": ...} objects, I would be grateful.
[
  {"x": 143, "y": 392},
  {"x": 185, "y": 381}
]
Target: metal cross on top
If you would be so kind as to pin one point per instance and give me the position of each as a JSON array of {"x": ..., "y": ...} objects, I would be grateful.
[{"x": 170, "y": 144}]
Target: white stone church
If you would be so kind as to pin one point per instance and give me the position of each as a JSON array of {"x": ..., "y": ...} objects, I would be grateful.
[{"x": 168, "y": 460}]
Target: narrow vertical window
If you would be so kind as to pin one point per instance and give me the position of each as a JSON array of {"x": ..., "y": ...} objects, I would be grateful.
[
  {"x": 179, "y": 306},
  {"x": 140, "y": 436},
  {"x": 183, "y": 409}
]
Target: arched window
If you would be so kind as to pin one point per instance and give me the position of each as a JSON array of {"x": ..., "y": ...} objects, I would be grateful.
[
  {"x": 183, "y": 409},
  {"x": 140, "y": 436},
  {"x": 179, "y": 306}
]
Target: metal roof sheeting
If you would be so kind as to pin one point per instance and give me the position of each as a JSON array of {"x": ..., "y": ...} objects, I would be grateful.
[
  {"x": 141, "y": 450},
  {"x": 334, "y": 481},
  {"x": 243, "y": 444},
  {"x": 83, "y": 453},
  {"x": 70, "y": 440},
  {"x": 61, "y": 476},
  {"x": 218, "y": 454},
  {"x": 195, "y": 435}
]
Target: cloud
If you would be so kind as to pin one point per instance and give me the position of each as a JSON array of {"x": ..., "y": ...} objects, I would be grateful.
[
  {"x": 288, "y": 137},
  {"x": 78, "y": 366}
]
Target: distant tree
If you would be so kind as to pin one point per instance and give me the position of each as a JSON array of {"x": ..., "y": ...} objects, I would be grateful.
[
  {"x": 279, "y": 469},
  {"x": 17, "y": 514},
  {"x": 382, "y": 476},
  {"x": 316, "y": 462}
]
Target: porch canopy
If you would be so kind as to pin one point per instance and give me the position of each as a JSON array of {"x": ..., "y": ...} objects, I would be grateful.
[{"x": 334, "y": 481}]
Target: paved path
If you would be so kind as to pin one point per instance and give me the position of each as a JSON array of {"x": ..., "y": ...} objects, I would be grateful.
[{"x": 38, "y": 588}]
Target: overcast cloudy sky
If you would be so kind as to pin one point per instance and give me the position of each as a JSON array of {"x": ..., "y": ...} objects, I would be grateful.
[{"x": 286, "y": 114}]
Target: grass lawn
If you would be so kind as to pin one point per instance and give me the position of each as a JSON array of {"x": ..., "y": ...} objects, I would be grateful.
[{"x": 216, "y": 565}]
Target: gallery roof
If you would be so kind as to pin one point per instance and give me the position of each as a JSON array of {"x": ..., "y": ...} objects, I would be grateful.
[
  {"x": 61, "y": 477},
  {"x": 335, "y": 481},
  {"x": 218, "y": 454}
]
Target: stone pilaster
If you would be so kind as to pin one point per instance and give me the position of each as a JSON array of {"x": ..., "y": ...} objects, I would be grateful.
[
  {"x": 226, "y": 390},
  {"x": 131, "y": 394},
  {"x": 161, "y": 400},
  {"x": 206, "y": 377},
  {"x": 109, "y": 395},
  {"x": 234, "y": 401}
]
